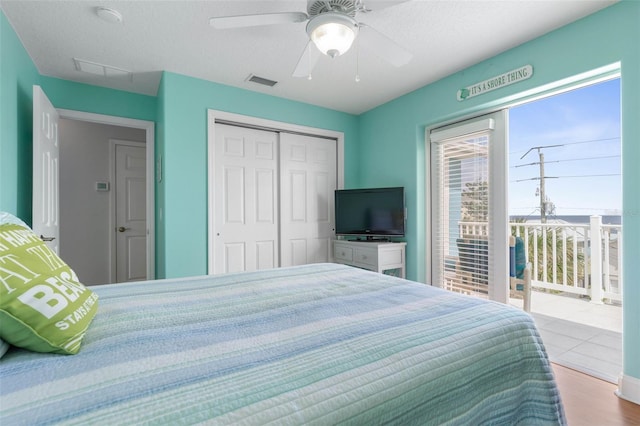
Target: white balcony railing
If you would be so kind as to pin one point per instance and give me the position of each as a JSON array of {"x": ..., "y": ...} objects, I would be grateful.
[{"x": 583, "y": 259}]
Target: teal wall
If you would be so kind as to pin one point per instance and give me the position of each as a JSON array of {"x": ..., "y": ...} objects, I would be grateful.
[
  {"x": 182, "y": 143},
  {"x": 393, "y": 134},
  {"x": 67, "y": 94},
  {"x": 17, "y": 76}
]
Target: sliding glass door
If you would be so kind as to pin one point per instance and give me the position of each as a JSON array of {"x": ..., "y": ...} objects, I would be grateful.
[{"x": 468, "y": 169}]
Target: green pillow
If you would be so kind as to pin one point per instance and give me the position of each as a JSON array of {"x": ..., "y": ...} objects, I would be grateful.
[
  {"x": 43, "y": 307},
  {"x": 4, "y": 347}
]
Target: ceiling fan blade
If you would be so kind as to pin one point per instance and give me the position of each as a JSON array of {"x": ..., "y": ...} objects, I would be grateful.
[
  {"x": 307, "y": 61},
  {"x": 241, "y": 21},
  {"x": 383, "y": 46}
]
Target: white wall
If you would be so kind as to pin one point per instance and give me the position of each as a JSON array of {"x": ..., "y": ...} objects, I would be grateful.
[{"x": 84, "y": 212}]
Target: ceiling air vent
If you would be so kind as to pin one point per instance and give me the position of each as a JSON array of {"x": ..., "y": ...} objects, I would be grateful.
[
  {"x": 101, "y": 69},
  {"x": 264, "y": 81}
]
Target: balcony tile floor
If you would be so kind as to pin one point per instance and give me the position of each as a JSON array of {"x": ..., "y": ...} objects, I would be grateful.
[{"x": 579, "y": 334}]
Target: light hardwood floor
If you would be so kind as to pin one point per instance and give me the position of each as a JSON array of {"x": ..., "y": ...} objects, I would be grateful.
[{"x": 590, "y": 401}]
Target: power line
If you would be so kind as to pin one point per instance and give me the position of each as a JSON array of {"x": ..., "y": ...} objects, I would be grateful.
[
  {"x": 591, "y": 141},
  {"x": 582, "y": 208},
  {"x": 588, "y": 176},
  {"x": 544, "y": 204},
  {"x": 574, "y": 143},
  {"x": 539, "y": 148},
  {"x": 536, "y": 178},
  {"x": 588, "y": 158},
  {"x": 570, "y": 159},
  {"x": 567, "y": 176},
  {"x": 534, "y": 209}
]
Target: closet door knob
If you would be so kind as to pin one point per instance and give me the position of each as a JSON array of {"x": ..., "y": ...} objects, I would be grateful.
[{"x": 122, "y": 229}]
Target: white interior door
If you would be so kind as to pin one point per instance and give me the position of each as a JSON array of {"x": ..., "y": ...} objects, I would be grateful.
[
  {"x": 46, "y": 154},
  {"x": 308, "y": 176},
  {"x": 130, "y": 211},
  {"x": 245, "y": 199}
]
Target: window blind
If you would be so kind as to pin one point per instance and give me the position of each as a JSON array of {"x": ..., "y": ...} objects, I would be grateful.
[{"x": 460, "y": 188}]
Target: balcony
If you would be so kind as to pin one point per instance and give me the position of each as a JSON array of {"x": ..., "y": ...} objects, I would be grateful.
[
  {"x": 578, "y": 334},
  {"x": 580, "y": 259},
  {"x": 576, "y": 290}
]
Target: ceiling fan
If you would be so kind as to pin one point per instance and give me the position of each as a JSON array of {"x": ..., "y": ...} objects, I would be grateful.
[{"x": 332, "y": 28}]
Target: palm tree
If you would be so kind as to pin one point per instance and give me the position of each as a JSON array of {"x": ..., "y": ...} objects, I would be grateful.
[
  {"x": 568, "y": 249},
  {"x": 475, "y": 201}
]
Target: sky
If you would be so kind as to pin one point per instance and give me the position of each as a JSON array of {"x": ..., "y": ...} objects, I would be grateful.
[{"x": 583, "y": 175}]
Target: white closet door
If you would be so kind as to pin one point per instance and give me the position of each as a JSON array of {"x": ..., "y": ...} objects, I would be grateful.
[
  {"x": 46, "y": 164},
  {"x": 245, "y": 199},
  {"x": 307, "y": 185}
]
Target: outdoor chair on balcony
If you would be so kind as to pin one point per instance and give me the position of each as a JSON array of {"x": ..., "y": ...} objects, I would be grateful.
[{"x": 519, "y": 272}]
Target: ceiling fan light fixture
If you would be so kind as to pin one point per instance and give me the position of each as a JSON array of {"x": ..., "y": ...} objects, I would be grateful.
[{"x": 333, "y": 33}]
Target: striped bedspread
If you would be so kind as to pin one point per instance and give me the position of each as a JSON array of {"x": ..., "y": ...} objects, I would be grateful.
[{"x": 316, "y": 344}]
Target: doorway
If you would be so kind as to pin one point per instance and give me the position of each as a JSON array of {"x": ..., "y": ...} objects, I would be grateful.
[
  {"x": 88, "y": 224},
  {"x": 565, "y": 200},
  {"x": 564, "y": 191}
]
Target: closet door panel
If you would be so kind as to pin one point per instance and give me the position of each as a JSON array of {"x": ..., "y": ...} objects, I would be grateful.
[
  {"x": 265, "y": 254},
  {"x": 308, "y": 179},
  {"x": 245, "y": 199},
  {"x": 234, "y": 256},
  {"x": 297, "y": 196},
  {"x": 265, "y": 200},
  {"x": 234, "y": 197}
]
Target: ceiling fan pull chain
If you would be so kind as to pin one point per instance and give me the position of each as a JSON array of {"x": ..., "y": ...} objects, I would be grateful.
[
  {"x": 309, "y": 57},
  {"x": 357, "y": 61}
]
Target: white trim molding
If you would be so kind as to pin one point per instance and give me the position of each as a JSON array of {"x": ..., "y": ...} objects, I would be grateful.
[{"x": 628, "y": 388}]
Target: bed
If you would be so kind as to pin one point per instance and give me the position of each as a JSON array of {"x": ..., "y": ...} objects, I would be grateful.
[{"x": 314, "y": 344}]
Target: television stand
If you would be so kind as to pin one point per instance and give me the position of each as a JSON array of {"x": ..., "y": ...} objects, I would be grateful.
[{"x": 376, "y": 256}]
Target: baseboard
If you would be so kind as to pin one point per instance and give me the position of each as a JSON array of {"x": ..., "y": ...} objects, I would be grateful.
[
  {"x": 611, "y": 378},
  {"x": 629, "y": 388}
]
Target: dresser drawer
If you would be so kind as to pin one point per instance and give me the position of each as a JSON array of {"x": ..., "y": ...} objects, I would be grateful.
[
  {"x": 391, "y": 257},
  {"x": 371, "y": 255},
  {"x": 343, "y": 253},
  {"x": 366, "y": 256}
]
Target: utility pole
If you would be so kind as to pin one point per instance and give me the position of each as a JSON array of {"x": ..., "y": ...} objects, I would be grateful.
[{"x": 543, "y": 196}]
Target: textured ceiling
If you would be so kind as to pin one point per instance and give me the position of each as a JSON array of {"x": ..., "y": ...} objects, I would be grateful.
[{"x": 443, "y": 36}]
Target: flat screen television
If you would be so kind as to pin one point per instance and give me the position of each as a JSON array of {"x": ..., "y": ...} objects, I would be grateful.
[{"x": 370, "y": 212}]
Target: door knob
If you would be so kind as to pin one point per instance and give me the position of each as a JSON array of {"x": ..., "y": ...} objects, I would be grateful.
[
  {"x": 43, "y": 238},
  {"x": 122, "y": 229}
]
